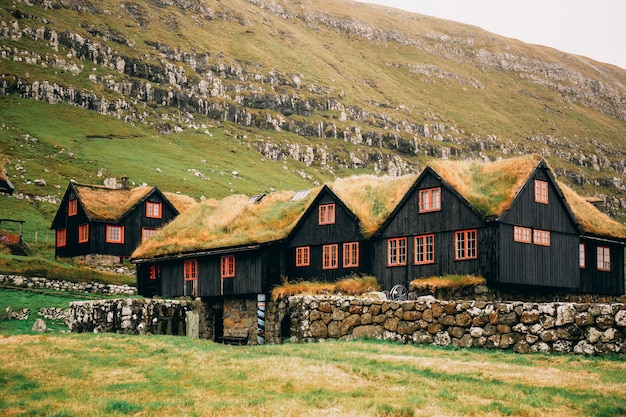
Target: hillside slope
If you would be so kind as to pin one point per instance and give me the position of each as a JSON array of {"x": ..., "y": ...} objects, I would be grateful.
[{"x": 323, "y": 87}]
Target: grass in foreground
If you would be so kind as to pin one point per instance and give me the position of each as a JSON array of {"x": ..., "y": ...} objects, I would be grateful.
[{"x": 114, "y": 375}]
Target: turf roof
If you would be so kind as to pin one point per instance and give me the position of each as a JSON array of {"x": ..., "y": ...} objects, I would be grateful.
[{"x": 110, "y": 204}]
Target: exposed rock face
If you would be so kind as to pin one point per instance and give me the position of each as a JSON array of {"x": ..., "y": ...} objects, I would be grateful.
[{"x": 189, "y": 83}]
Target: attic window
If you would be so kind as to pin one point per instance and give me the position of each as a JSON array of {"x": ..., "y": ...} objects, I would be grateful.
[
  {"x": 153, "y": 210},
  {"x": 72, "y": 207},
  {"x": 327, "y": 214},
  {"x": 541, "y": 192},
  {"x": 430, "y": 200}
]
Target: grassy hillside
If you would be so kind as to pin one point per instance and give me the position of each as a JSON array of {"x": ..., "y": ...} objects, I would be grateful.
[{"x": 287, "y": 95}]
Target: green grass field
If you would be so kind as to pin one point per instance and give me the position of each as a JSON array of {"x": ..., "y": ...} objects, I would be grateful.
[{"x": 61, "y": 374}]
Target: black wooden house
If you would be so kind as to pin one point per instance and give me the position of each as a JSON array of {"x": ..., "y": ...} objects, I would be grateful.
[{"x": 111, "y": 222}]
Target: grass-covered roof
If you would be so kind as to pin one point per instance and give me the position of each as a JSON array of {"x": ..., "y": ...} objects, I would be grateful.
[
  {"x": 110, "y": 204},
  {"x": 234, "y": 221},
  {"x": 489, "y": 187}
]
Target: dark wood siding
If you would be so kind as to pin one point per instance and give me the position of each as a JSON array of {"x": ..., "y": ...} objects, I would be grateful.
[
  {"x": 310, "y": 233},
  {"x": 594, "y": 281},
  {"x": 531, "y": 264},
  {"x": 407, "y": 221},
  {"x": 553, "y": 216}
]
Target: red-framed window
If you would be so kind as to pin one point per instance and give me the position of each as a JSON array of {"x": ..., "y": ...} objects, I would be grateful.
[
  {"x": 522, "y": 234},
  {"x": 424, "y": 249},
  {"x": 604, "y": 258},
  {"x": 327, "y": 213},
  {"x": 541, "y": 237},
  {"x": 582, "y": 250},
  {"x": 227, "y": 266},
  {"x": 83, "y": 233},
  {"x": 465, "y": 245},
  {"x": 114, "y": 234},
  {"x": 351, "y": 255},
  {"x": 330, "y": 256},
  {"x": 155, "y": 271},
  {"x": 541, "y": 192},
  {"x": 429, "y": 200},
  {"x": 147, "y": 233},
  {"x": 72, "y": 207},
  {"x": 61, "y": 238},
  {"x": 303, "y": 256},
  {"x": 396, "y": 251},
  {"x": 154, "y": 210},
  {"x": 190, "y": 270}
]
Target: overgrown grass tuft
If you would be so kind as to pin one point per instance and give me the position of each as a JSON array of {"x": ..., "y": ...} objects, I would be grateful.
[
  {"x": 346, "y": 286},
  {"x": 451, "y": 282}
]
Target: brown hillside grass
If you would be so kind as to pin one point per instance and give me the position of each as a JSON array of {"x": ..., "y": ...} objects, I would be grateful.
[
  {"x": 590, "y": 218},
  {"x": 372, "y": 198},
  {"x": 103, "y": 203},
  {"x": 346, "y": 286},
  {"x": 489, "y": 187}
]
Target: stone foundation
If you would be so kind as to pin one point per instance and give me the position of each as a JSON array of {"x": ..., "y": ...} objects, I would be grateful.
[{"x": 520, "y": 326}]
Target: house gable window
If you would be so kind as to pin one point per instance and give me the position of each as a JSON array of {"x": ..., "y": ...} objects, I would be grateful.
[
  {"x": 424, "y": 249},
  {"x": 83, "y": 233},
  {"x": 581, "y": 255},
  {"x": 604, "y": 258},
  {"x": 61, "y": 238},
  {"x": 522, "y": 234},
  {"x": 541, "y": 192},
  {"x": 351, "y": 255},
  {"x": 329, "y": 256},
  {"x": 114, "y": 234},
  {"x": 541, "y": 237},
  {"x": 147, "y": 233},
  {"x": 303, "y": 256},
  {"x": 396, "y": 251},
  {"x": 327, "y": 214},
  {"x": 72, "y": 207},
  {"x": 227, "y": 266},
  {"x": 465, "y": 245},
  {"x": 190, "y": 270},
  {"x": 429, "y": 200},
  {"x": 153, "y": 210}
]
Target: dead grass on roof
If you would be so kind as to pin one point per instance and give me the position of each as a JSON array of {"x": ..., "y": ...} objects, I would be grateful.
[
  {"x": 180, "y": 201},
  {"x": 451, "y": 282},
  {"x": 489, "y": 187},
  {"x": 107, "y": 203},
  {"x": 345, "y": 286},
  {"x": 589, "y": 217},
  {"x": 232, "y": 221},
  {"x": 372, "y": 198}
]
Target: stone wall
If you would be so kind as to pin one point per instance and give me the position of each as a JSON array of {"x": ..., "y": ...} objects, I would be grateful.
[
  {"x": 520, "y": 326},
  {"x": 142, "y": 316},
  {"x": 88, "y": 287}
]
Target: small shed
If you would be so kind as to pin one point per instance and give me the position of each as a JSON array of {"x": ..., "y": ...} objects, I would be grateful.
[{"x": 12, "y": 240}]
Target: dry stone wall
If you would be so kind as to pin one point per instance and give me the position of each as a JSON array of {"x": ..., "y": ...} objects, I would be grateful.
[
  {"x": 523, "y": 327},
  {"x": 87, "y": 287}
]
